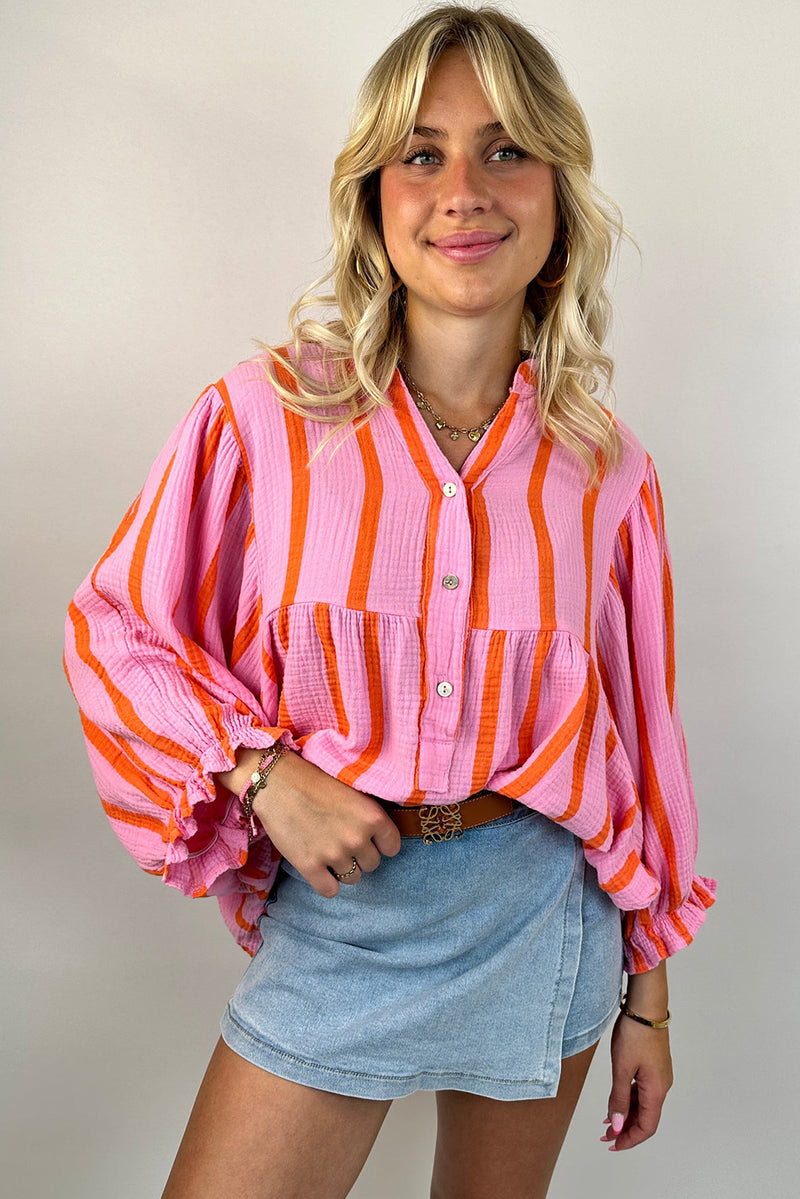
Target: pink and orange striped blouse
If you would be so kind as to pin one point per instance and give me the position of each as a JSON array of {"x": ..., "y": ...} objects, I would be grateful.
[{"x": 416, "y": 631}]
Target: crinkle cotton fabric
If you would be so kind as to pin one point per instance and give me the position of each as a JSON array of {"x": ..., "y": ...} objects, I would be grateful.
[{"x": 417, "y": 631}]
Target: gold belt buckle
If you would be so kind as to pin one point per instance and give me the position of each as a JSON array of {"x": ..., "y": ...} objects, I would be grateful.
[{"x": 440, "y": 822}]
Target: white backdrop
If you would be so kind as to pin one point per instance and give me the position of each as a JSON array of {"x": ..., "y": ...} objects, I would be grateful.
[{"x": 165, "y": 200}]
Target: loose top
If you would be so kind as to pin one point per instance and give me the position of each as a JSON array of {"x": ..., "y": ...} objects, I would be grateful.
[{"x": 416, "y": 631}]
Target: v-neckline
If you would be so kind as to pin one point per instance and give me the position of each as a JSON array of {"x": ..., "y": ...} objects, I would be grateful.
[{"x": 493, "y": 439}]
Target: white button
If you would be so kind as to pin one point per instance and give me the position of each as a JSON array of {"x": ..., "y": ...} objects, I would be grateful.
[
  {"x": 450, "y": 582},
  {"x": 449, "y": 488},
  {"x": 444, "y": 688}
]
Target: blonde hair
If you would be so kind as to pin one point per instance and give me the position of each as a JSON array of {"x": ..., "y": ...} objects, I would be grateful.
[{"x": 562, "y": 327}]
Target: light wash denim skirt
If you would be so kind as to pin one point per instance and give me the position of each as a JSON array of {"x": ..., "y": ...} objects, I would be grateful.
[{"x": 470, "y": 964}]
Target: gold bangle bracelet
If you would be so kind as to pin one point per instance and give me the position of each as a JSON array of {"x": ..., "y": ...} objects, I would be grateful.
[{"x": 650, "y": 1023}]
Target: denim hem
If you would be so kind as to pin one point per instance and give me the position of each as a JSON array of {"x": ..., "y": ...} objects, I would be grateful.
[
  {"x": 372, "y": 1086},
  {"x": 573, "y": 1045}
]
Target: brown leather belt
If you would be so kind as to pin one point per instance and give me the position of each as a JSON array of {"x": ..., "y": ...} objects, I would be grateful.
[{"x": 441, "y": 822}]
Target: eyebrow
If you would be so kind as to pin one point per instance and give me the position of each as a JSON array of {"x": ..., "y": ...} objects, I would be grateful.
[{"x": 484, "y": 131}]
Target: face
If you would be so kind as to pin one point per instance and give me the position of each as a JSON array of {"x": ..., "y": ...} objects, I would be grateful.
[{"x": 468, "y": 218}]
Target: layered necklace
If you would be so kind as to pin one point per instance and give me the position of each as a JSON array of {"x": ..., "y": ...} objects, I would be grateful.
[{"x": 474, "y": 434}]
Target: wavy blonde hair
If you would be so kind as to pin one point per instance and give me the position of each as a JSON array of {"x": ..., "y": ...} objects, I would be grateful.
[{"x": 562, "y": 327}]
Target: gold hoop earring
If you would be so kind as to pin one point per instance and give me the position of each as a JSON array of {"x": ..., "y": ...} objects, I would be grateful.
[{"x": 557, "y": 282}]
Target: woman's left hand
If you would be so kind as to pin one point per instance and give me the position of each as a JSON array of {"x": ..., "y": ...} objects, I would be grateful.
[{"x": 641, "y": 1075}]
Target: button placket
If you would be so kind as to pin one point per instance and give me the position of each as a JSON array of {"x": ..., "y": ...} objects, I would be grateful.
[{"x": 447, "y": 630}]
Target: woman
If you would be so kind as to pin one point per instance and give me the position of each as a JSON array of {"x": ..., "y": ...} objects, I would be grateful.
[{"x": 407, "y": 707}]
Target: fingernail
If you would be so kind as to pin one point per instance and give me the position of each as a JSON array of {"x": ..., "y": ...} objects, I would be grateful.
[
  {"x": 617, "y": 1120},
  {"x": 606, "y": 1121}
]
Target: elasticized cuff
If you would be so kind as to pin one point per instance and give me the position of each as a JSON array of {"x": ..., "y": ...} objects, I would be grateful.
[
  {"x": 208, "y": 835},
  {"x": 650, "y": 937}
]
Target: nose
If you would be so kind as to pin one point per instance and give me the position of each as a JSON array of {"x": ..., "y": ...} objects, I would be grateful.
[{"x": 464, "y": 187}]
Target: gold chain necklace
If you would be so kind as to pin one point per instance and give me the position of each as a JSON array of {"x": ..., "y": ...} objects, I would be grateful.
[{"x": 474, "y": 434}]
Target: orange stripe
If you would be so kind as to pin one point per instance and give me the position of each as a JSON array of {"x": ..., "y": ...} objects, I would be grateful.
[
  {"x": 490, "y": 707},
  {"x": 129, "y": 717},
  {"x": 583, "y": 746},
  {"x": 208, "y": 587},
  {"x": 638, "y": 963},
  {"x": 481, "y": 557},
  {"x": 411, "y": 436},
  {"x": 544, "y": 546},
  {"x": 205, "y": 463},
  {"x": 204, "y": 599},
  {"x": 526, "y": 729},
  {"x": 629, "y": 819},
  {"x": 551, "y": 751},
  {"x": 608, "y": 687},
  {"x": 669, "y": 605},
  {"x": 646, "y": 923},
  {"x": 646, "y": 496},
  {"x": 626, "y": 548},
  {"x": 137, "y": 819},
  {"x": 239, "y": 917},
  {"x": 652, "y": 788},
  {"x": 490, "y": 443},
  {"x": 417, "y": 451},
  {"x": 590, "y": 499},
  {"x": 372, "y": 662},
  {"x": 597, "y": 840},
  {"x": 624, "y": 875},
  {"x": 267, "y": 665},
  {"x": 128, "y": 765},
  {"x": 140, "y": 547},
  {"x": 203, "y": 466},
  {"x": 222, "y": 388},
  {"x": 197, "y": 662},
  {"x": 122, "y": 705},
  {"x": 120, "y": 534},
  {"x": 322, "y": 619},
  {"x": 679, "y": 926},
  {"x": 361, "y": 570},
  {"x": 247, "y": 634},
  {"x": 301, "y": 482},
  {"x": 611, "y": 742}
]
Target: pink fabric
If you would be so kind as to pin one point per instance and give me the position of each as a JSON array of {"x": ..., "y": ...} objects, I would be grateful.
[{"x": 247, "y": 598}]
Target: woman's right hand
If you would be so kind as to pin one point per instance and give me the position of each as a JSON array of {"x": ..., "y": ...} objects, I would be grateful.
[{"x": 317, "y": 822}]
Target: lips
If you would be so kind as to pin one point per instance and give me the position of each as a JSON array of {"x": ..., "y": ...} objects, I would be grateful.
[
  {"x": 470, "y": 246},
  {"x": 470, "y": 237}
]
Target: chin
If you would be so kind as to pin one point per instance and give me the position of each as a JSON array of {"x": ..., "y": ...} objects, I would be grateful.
[{"x": 472, "y": 303}]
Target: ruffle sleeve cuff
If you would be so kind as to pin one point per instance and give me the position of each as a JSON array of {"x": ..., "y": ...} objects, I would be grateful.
[
  {"x": 208, "y": 842},
  {"x": 649, "y": 937}
]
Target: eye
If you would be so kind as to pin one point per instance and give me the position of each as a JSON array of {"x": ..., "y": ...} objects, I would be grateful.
[
  {"x": 514, "y": 150},
  {"x": 422, "y": 152}
]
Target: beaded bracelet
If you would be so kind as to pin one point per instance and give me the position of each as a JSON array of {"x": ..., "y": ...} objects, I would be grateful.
[
  {"x": 256, "y": 781},
  {"x": 651, "y": 1023}
]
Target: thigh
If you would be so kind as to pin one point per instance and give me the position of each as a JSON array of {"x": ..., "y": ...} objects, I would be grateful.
[
  {"x": 254, "y": 1135},
  {"x": 509, "y": 1148}
]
